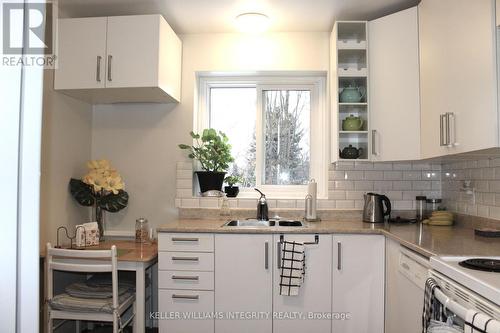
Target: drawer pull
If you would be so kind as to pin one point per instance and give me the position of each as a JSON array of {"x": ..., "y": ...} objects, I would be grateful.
[
  {"x": 184, "y": 239},
  {"x": 191, "y": 278},
  {"x": 405, "y": 266},
  {"x": 185, "y": 258},
  {"x": 194, "y": 297}
]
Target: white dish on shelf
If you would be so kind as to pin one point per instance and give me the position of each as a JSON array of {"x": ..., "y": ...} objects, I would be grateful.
[{"x": 351, "y": 44}]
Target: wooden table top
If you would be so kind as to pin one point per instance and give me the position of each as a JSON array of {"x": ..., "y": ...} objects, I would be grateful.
[{"x": 127, "y": 250}]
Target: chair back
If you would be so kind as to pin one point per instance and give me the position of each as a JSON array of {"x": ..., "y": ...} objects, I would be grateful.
[{"x": 86, "y": 261}]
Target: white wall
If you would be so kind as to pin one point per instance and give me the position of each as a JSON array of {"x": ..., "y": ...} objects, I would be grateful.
[
  {"x": 66, "y": 139},
  {"x": 141, "y": 139}
]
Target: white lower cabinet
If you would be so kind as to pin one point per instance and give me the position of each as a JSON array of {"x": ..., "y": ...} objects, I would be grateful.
[
  {"x": 243, "y": 279},
  {"x": 358, "y": 283},
  {"x": 315, "y": 294},
  {"x": 240, "y": 287},
  {"x": 186, "y": 283}
]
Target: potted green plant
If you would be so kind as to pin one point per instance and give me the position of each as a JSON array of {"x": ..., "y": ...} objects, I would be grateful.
[
  {"x": 213, "y": 151},
  {"x": 231, "y": 190}
]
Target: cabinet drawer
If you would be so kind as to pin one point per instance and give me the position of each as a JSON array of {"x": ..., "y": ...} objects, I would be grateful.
[
  {"x": 186, "y": 280},
  {"x": 186, "y": 242},
  {"x": 186, "y": 261},
  {"x": 182, "y": 303}
]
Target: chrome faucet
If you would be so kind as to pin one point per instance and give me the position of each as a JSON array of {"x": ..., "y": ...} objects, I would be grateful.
[{"x": 262, "y": 208}]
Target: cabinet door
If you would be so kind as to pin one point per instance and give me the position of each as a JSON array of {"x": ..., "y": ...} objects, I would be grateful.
[
  {"x": 458, "y": 74},
  {"x": 315, "y": 294},
  {"x": 243, "y": 278},
  {"x": 394, "y": 86},
  {"x": 132, "y": 51},
  {"x": 358, "y": 283},
  {"x": 81, "y": 59}
]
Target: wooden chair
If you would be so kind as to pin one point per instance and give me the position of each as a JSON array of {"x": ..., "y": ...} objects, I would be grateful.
[{"x": 85, "y": 309}]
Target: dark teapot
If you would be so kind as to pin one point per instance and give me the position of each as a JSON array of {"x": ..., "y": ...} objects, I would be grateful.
[{"x": 351, "y": 152}]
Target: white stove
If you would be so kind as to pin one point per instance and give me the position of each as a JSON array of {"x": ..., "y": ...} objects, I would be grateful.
[{"x": 485, "y": 284}]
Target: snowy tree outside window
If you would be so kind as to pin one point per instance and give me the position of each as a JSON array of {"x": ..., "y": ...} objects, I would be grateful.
[{"x": 286, "y": 132}]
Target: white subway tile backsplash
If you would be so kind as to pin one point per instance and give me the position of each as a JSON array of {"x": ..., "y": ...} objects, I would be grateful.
[
  {"x": 402, "y": 166},
  {"x": 209, "y": 202},
  {"x": 412, "y": 175},
  {"x": 286, "y": 203},
  {"x": 347, "y": 183},
  {"x": 344, "y": 204},
  {"x": 184, "y": 193},
  {"x": 374, "y": 175},
  {"x": 190, "y": 203},
  {"x": 354, "y": 175},
  {"x": 393, "y": 175},
  {"x": 363, "y": 185},
  {"x": 404, "y": 185},
  {"x": 382, "y": 166},
  {"x": 184, "y": 174},
  {"x": 184, "y": 183},
  {"x": 354, "y": 195},
  {"x": 337, "y": 195},
  {"x": 247, "y": 203}
]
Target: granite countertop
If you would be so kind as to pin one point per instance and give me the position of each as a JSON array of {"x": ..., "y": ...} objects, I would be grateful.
[{"x": 426, "y": 240}]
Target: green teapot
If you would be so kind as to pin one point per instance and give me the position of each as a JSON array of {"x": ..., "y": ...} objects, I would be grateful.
[
  {"x": 352, "y": 94},
  {"x": 352, "y": 123},
  {"x": 350, "y": 152}
]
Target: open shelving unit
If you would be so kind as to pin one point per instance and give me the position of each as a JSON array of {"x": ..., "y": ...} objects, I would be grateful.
[{"x": 349, "y": 69}]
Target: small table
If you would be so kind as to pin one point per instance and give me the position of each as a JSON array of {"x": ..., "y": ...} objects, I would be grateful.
[{"x": 136, "y": 257}]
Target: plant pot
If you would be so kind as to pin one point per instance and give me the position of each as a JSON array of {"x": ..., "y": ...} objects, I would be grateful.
[
  {"x": 210, "y": 180},
  {"x": 231, "y": 191}
]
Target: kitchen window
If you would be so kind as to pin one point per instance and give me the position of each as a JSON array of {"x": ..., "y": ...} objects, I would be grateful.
[{"x": 277, "y": 127}]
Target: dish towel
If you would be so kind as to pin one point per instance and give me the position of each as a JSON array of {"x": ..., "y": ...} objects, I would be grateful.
[
  {"x": 476, "y": 322},
  {"x": 293, "y": 268},
  {"x": 432, "y": 308}
]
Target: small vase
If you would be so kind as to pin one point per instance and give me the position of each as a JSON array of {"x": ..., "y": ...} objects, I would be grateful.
[{"x": 99, "y": 215}]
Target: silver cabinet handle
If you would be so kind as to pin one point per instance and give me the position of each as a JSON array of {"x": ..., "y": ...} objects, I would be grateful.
[
  {"x": 186, "y": 258},
  {"x": 405, "y": 266},
  {"x": 186, "y": 296},
  {"x": 447, "y": 127},
  {"x": 441, "y": 130},
  {"x": 266, "y": 255},
  {"x": 279, "y": 254},
  {"x": 184, "y": 239},
  {"x": 110, "y": 58},
  {"x": 339, "y": 256},
  {"x": 449, "y": 117},
  {"x": 98, "y": 69},
  {"x": 374, "y": 146},
  {"x": 181, "y": 277}
]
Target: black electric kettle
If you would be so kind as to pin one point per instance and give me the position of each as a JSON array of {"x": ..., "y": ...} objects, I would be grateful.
[{"x": 373, "y": 211}]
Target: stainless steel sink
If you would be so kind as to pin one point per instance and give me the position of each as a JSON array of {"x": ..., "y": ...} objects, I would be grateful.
[
  {"x": 259, "y": 223},
  {"x": 250, "y": 223}
]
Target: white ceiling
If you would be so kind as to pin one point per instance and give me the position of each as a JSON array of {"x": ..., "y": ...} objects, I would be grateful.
[{"x": 201, "y": 16}]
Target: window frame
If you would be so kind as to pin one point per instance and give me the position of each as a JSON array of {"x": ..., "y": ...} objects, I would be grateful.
[{"x": 315, "y": 81}]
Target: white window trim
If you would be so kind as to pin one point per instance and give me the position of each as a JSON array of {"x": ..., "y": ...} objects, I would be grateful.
[{"x": 319, "y": 121}]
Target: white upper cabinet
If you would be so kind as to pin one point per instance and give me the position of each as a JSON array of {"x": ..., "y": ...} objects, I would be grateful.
[
  {"x": 81, "y": 60},
  {"x": 138, "y": 56},
  {"x": 458, "y": 76},
  {"x": 394, "y": 86}
]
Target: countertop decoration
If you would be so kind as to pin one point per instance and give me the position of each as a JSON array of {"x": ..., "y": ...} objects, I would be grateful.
[
  {"x": 213, "y": 151},
  {"x": 103, "y": 188}
]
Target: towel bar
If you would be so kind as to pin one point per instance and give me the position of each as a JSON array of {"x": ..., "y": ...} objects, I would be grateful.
[{"x": 316, "y": 240}]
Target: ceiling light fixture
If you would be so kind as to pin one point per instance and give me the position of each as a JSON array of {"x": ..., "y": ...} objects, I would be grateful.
[{"x": 252, "y": 22}]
